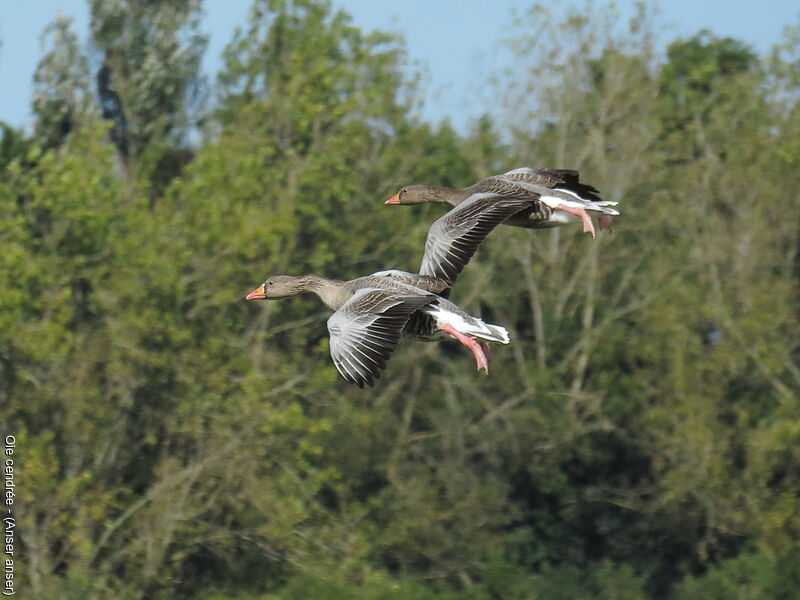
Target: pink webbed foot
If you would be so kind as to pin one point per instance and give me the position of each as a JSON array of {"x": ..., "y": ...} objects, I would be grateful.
[
  {"x": 605, "y": 223},
  {"x": 481, "y": 360},
  {"x": 588, "y": 226}
]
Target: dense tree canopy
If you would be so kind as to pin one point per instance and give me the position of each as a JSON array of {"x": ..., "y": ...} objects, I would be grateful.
[{"x": 640, "y": 437}]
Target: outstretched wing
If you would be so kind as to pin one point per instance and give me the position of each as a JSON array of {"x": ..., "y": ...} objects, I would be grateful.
[
  {"x": 454, "y": 238},
  {"x": 367, "y": 328}
]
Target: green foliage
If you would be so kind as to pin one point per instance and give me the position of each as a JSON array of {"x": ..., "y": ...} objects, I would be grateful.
[
  {"x": 701, "y": 63},
  {"x": 62, "y": 96},
  {"x": 639, "y": 438},
  {"x": 149, "y": 81},
  {"x": 701, "y": 75},
  {"x": 749, "y": 575},
  {"x": 13, "y": 144}
]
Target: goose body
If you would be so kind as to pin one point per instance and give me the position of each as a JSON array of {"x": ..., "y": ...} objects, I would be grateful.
[
  {"x": 372, "y": 313},
  {"x": 429, "y": 321},
  {"x": 552, "y": 197}
]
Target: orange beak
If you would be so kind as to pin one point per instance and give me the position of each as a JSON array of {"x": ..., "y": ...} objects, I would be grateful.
[
  {"x": 394, "y": 199},
  {"x": 257, "y": 294}
]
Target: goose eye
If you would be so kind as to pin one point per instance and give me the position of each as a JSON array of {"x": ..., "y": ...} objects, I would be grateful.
[{"x": 270, "y": 282}]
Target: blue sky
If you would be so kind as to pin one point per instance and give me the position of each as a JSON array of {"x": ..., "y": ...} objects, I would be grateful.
[{"x": 451, "y": 40}]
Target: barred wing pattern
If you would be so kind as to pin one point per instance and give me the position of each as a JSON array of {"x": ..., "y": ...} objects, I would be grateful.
[
  {"x": 454, "y": 238},
  {"x": 367, "y": 328}
]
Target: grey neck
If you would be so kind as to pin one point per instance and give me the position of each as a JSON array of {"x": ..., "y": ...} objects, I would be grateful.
[
  {"x": 330, "y": 291},
  {"x": 451, "y": 196}
]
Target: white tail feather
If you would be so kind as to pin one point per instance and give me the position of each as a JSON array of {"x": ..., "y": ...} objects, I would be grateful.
[
  {"x": 565, "y": 197},
  {"x": 555, "y": 202},
  {"x": 468, "y": 325},
  {"x": 499, "y": 332}
]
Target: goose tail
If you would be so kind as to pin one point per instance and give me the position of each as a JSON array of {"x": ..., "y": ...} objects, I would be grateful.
[
  {"x": 446, "y": 313},
  {"x": 499, "y": 333},
  {"x": 573, "y": 200}
]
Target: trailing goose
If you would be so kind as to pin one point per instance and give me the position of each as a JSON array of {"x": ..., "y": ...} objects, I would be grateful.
[
  {"x": 554, "y": 197},
  {"x": 373, "y": 312}
]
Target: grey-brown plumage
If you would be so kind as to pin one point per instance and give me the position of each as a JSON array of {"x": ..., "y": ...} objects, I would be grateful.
[
  {"x": 551, "y": 197},
  {"x": 420, "y": 326},
  {"x": 426, "y": 282},
  {"x": 555, "y": 178},
  {"x": 371, "y": 314},
  {"x": 452, "y": 241},
  {"x": 453, "y": 238},
  {"x": 367, "y": 328}
]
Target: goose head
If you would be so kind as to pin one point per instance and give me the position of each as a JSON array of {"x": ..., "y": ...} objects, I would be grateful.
[
  {"x": 418, "y": 194},
  {"x": 278, "y": 286}
]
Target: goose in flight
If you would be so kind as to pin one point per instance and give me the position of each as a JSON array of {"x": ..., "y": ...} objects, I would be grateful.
[
  {"x": 373, "y": 312},
  {"x": 554, "y": 197}
]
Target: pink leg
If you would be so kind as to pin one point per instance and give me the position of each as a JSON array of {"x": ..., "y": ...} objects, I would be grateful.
[
  {"x": 605, "y": 223},
  {"x": 588, "y": 226},
  {"x": 471, "y": 343},
  {"x": 485, "y": 347}
]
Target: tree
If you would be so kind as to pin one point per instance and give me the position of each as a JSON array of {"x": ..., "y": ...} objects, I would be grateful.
[
  {"x": 13, "y": 144},
  {"x": 698, "y": 76},
  {"x": 638, "y": 438},
  {"x": 148, "y": 81},
  {"x": 62, "y": 100}
]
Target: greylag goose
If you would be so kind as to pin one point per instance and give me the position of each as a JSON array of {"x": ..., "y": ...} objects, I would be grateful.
[
  {"x": 373, "y": 312},
  {"x": 554, "y": 197}
]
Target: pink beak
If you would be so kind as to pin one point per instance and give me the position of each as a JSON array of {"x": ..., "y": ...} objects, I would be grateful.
[{"x": 394, "y": 199}]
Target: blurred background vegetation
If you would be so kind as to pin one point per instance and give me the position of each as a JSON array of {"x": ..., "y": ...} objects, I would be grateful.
[{"x": 640, "y": 438}]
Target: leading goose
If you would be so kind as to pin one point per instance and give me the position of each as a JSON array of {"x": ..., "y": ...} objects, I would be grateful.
[
  {"x": 555, "y": 197},
  {"x": 373, "y": 312}
]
